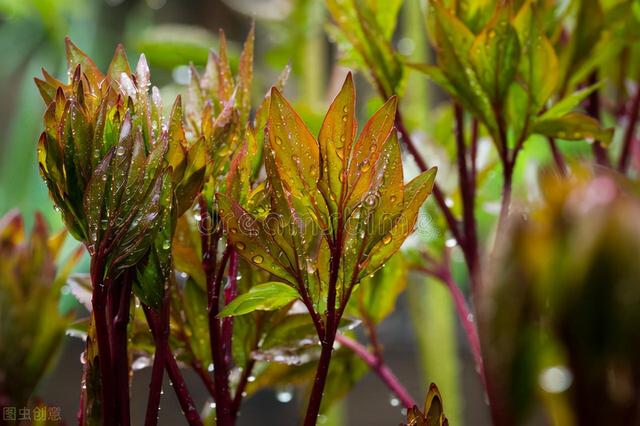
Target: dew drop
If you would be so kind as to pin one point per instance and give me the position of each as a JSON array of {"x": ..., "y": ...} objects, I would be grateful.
[
  {"x": 257, "y": 259},
  {"x": 278, "y": 140},
  {"x": 386, "y": 239},
  {"x": 556, "y": 379},
  {"x": 240, "y": 245},
  {"x": 284, "y": 396},
  {"x": 166, "y": 245},
  {"x": 393, "y": 401}
]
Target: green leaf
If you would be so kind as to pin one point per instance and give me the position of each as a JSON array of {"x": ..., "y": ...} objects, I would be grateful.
[
  {"x": 245, "y": 77},
  {"x": 366, "y": 152},
  {"x": 376, "y": 297},
  {"x": 296, "y": 156},
  {"x": 253, "y": 240},
  {"x": 569, "y": 102},
  {"x": 336, "y": 142},
  {"x": 574, "y": 126},
  {"x": 415, "y": 193},
  {"x": 539, "y": 67},
  {"x": 263, "y": 297},
  {"x": 495, "y": 54},
  {"x": 365, "y": 28},
  {"x": 453, "y": 43},
  {"x": 76, "y": 57}
]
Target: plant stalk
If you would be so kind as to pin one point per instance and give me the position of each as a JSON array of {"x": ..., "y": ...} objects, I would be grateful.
[
  {"x": 593, "y": 109},
  {"x": 242, "y": 384},
  {"x": 557, "y": 157},
  {"x": 377, "y": 365},
  {"x": 180, "y": 388},
  {"x": 230, "y": 293},
  {"x": 98, "y": 302},
  {"x": 173, "y": 371},
  {"x": 121, "y": 304},
  {"x": 625, "y": 155},
  {"x": 313, "y": 409},
  {"x": 157, "y": 371},
  {"x": 220, "y": 368},
  {"x": 452, "y": 222},
  {"x": 464, "y": 313},
  {"x": 470, "y": 247}
]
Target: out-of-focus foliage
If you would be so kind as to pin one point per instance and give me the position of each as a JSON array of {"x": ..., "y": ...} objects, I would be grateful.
[
  {"x": 363, "y": 29},
  {"x": 560, "y": 320},
  {"x": 31, "y": 325},
  {"x": 506, "y": 73}
]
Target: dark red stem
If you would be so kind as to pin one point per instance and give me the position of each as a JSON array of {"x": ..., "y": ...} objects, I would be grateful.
[
  {"x": 452, "y": 222},
  {"x": 220, "y": 367},
  {"x": 214, "y": 272},
  {"x": 467, "y": 190},
  {"x": 627, "y": 140},
  {"x": 443, "y": 274},
  {"x": 242, "y": 384},
  {"x": 179, "y": 386},
  {"x": 378, "y": 366},
  {"x": 121, "y": 304},
  {"x": 157, "y": 371},
  {"x": 557, "y": 157},
  {"x": 593, "y": 109},
  {"x": 98, "y": 302},
  {"x": 230, "y": 293},
  {"x": 315, "y": 400},
  {"x": 180, "y": 389}
]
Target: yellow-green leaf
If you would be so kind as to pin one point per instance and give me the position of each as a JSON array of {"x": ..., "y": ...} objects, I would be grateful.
[{"x": 263, "y": 297}]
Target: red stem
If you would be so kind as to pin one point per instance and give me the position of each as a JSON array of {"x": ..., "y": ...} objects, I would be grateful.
[
  {"x": 470, "y": 247},
  {"x": 230, "y": 293},
  {"x": 625, "y": 156},
  {"x": 313, "y": 409},
  {"x": 179, "y": 386},
  {"x": 452, "y": 222},
  {"x": 242, "y": 384},
  {"x": 98, "y": 302},
  {"x": 380, "y": 368},
  {"x": 593, "y": 109},
  {"x": 120, "y": 359},
  {"x": 214, "y": 272},
  {"x": 220, "y": 368},
  {"x": 507, "y": 175},
  {"x": 557, "y": 157},
  {"x": 157, "y": 371},
  {"x": 464, "y": 313},
  {"x": 205, "y": 377}
]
